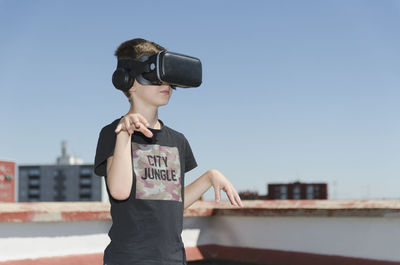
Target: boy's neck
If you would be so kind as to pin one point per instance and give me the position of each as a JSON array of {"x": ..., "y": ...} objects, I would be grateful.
[{"x": 149, "y": 113}]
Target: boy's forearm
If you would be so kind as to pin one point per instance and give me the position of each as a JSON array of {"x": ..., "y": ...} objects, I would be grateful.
[
  {"x": 194, "y": 190},
  {"x": 119, "y": 177}
]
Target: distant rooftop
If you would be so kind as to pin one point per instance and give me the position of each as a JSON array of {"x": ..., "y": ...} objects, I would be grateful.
[{"x": 65, "y": 158}]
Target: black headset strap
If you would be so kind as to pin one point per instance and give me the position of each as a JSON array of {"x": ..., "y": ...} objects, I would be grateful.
[{"x": 135, "y": 67}]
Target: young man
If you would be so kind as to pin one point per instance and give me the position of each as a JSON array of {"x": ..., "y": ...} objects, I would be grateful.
[{"x": 144, "y": 163}]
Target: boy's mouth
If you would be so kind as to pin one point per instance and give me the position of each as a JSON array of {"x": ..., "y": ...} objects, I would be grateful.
[{"x": 165, "y": 92}]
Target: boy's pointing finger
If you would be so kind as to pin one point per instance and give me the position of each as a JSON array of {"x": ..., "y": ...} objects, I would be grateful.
[
  {"x": 238, "y": 200},
  {"x": 145, "y": 131},
  {"x": 231, "y": 197}
]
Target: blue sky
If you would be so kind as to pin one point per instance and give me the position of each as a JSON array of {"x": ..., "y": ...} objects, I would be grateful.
[{"x": 292, "y": 90}]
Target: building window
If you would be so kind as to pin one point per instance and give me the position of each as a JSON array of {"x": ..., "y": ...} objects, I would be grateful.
[
  {"x": 310, "y": 192},
  {"x": 33, "y": 194},
  {"x": 59, "y": 185},
  {"x": 296, "y": 192},
  {"x": 85, "y": 194},
  {"x": 283, "y": 192},
  {"x": 33, "y": 172},
  {"x": 86, "y": 172},
  {"x": 317, "y": 192},
  {"x": 85, "y": 184},
  {"x": 33, "y": 184},
  {"x": 280, "y": 192}
]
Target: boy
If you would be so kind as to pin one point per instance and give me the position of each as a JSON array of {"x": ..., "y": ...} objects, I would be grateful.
[{"x": 144, "y": 162}]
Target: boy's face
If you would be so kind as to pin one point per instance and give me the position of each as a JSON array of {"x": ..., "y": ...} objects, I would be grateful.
[{"x": 151, "y": 94}]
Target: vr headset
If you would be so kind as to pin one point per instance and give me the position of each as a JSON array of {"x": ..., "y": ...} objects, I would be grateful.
[{"x": 175, "y": 69}]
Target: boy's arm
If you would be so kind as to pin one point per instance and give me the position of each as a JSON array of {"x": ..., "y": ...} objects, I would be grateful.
[
  {"x": 119, "y": 168},
  {"x": 214, "y": 178},
  {"x": 194, "y": 190}
]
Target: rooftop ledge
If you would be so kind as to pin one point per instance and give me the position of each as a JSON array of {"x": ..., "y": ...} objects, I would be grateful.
[{"x": 87, "y": 211}]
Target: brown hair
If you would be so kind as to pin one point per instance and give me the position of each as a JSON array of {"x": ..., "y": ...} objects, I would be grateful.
[{"x": 135, "y": 48}]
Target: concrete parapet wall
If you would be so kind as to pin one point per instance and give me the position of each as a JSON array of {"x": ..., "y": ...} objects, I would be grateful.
[{"x": 266, "y": 232}]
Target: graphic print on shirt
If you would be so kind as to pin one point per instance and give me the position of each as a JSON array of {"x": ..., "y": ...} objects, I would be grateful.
[{"x": 158, "y": 172}]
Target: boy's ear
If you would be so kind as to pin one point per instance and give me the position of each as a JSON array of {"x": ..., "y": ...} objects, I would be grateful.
[{"x": 133, "y": 88}]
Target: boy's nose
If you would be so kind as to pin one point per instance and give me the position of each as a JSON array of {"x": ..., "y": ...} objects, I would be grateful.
[{"x": 166, "y": 84}]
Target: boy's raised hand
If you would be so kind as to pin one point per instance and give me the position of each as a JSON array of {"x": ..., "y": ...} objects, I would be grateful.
[
  {"x": 220, "y": 182},
  {"x": 131, "y": 122}
]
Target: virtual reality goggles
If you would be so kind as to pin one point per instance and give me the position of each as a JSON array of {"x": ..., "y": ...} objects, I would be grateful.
[{"x": 175, "y": 69}]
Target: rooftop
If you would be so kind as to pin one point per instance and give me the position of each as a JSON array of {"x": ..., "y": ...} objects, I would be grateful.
[{"x": 262, "y": 232}]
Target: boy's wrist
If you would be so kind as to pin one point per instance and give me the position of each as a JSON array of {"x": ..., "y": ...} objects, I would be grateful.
[
  {"x": 123, "y": 134},
  {"x": 210, "y": 175}
]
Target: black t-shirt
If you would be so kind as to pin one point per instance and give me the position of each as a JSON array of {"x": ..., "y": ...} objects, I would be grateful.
[{"x": 147, "y": 227}]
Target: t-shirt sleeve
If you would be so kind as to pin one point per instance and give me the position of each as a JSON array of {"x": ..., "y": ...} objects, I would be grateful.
[
  {"x": 105, "y": 149},
  {"x": 190, "y": 161}
]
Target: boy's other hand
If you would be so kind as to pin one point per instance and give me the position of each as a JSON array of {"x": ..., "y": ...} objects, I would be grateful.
[
  {"x": 220, "y": 182},
  {"x": 131, "y": 122}
]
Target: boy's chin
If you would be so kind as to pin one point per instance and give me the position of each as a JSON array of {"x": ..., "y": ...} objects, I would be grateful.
[{"x": 162, "y": 104}]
